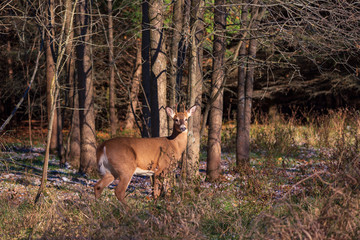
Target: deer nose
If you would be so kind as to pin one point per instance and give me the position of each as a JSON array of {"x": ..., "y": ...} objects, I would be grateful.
[{"x": 182, "y": 128}]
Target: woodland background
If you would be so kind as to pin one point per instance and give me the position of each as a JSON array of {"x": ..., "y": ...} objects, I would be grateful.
[{"x": 277, "y": 83}]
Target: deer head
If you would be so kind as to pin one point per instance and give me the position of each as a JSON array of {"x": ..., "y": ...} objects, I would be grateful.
[{"x": 180, "y": 118}]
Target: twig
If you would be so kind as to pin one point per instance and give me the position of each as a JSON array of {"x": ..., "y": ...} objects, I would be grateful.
[
  {"x": 23, "y": 97},
  {"x": 303, "y": 180}
]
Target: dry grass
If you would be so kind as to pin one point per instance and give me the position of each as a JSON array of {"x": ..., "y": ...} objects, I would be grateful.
[
  {"x": 303, "y": 184},
  {"x": 187, "y": 214}
]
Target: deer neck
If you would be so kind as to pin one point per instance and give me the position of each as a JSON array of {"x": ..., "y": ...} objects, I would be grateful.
[{"x": 179, "y": 140}]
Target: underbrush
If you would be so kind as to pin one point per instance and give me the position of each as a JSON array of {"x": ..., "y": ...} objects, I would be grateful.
[
  {"x": 303, "y": 184},
  {"x": 328, "y": 205},
  {"x": 190, "y": 213}
]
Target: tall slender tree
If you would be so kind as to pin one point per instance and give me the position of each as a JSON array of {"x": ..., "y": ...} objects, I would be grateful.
[
  {"x": 145, "y": 77},
  {"x": 85, "y": 88},
  {"x": 51, "y": 57},
  {"x": 112, "y": 96},
  {"x": 73, "y": 153},
  {"x": 174, "y": 55},
  {"x": 158, "y": 69},
  {"x": 135, "y": 87},
  {"x": 242, "y": 136},
  {"x": 195, "y": 87},
  {"x": 50, "y": 51},
  {"x": 217, "y": 79},
  {"x": 246, "y": 83},
  {"x": 10, "y": 70}
]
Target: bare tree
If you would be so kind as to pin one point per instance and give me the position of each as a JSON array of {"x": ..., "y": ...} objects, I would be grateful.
[
  {"x": 245, "y": 84},
  {"x": 50, "y": 51},
  {"x": 174, "y": 55},
  {"x": 217, "y": 79},
  {"x": 242, "y": 136},
  {"x": 195, "y": 87},
  {"x": 112, "y": 96},
  {"x": 73, "y": 150},
  {"x": 134, "y": 92},
  {"x": 85, "y": 88},
  {"x": 54, "y": 92},
  {"x": 51, "y": 58},
  {"x": 145, "y": 56},
  {"x": 158, "y": 69}
]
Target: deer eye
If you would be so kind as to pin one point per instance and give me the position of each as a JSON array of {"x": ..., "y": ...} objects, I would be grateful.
[
  {"x": 185, "y": 119},
  {"x": 177, "y": 120}
]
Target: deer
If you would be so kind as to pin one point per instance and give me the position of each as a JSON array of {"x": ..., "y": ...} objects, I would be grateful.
[{"x": 122, "y": 157}]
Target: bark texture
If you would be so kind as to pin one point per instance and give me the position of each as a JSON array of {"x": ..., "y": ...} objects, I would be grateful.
[
  {"x": 50, "y": 71},
  {"x": 73, "y": 154},
  {"x": 145, "y": 55},
  {"x": 174, "y": 57},
  {"x": 112, "y": 96},
  {"x": 195, "y": 88},
  {"x": 135, "y": 86},
  {"x": 85, "y": 85},
  {"x": 217, "y": 79},
  {"x": 158, "y": 69},
  {"x": 246, "y": 84}
]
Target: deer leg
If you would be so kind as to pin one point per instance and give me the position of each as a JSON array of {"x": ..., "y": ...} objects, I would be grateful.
[
  {"x": 156, "y": 186},
  {"x": 165, "y": 184},
  {"x": 102, "y": 183},
  {"x": 159, "y": 178},
  {"x": 122, "y": 186}
]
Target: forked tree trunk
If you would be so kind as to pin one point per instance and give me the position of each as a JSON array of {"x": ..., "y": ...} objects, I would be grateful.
[
  {"x": 217, "y": 79},
  {"x": 135, "y": 86},
  {"x": 86, "y": 100},
  {"x": 158, "y": 69},
  {"x": 245, "y": 89},
  {"x": 112, "y": 96},
  {"x": 195, "y": 88}
]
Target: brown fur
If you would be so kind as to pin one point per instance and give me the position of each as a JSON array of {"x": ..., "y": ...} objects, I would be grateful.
[{"x": 118, "y": 158}]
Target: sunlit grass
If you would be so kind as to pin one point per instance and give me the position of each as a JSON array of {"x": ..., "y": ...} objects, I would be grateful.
[{"x": 303, "y": 183}]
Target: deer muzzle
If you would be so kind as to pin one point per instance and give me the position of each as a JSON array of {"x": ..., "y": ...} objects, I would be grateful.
[{"x": 183, "y": 127}]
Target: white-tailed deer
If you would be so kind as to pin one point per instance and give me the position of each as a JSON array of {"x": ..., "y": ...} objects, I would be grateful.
[{"x": 120, "y": 158}]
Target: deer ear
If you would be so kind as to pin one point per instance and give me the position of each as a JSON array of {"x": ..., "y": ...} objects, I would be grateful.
[
  {"x": 170, "y": 112},
  {"x": 191, "y": 110}
]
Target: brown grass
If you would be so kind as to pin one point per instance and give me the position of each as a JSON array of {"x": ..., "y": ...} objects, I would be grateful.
[{"x": 303, "y": 184}]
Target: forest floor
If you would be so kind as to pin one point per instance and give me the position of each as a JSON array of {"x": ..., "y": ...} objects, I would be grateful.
[
  {"x": 21, "y": 170},
  {"x": 294, "y": 189}
]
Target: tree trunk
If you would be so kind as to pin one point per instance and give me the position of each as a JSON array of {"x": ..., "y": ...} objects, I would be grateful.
[
  {"x": 86, "y": 101},
  {"x": 245, "y": 89},
  {"x": 133, "y": 97},
  {"x": 10, "y": 69},
  {"x": 158, "y": 69},
  {"x": 217, "y": 79},
  {"x": 174, "y": 55},
  {"x": 145, "y": 55},
  {"x": 60, "y": 137},
  {"x": 50, "y": 71},
  {"x": 195, "y": 88},
  {"x": 54, "y": 91},
  {"x": 112, "y": 96},
  {"x": 242, "y": 136},
  {"x": 74, "y": 135}
]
